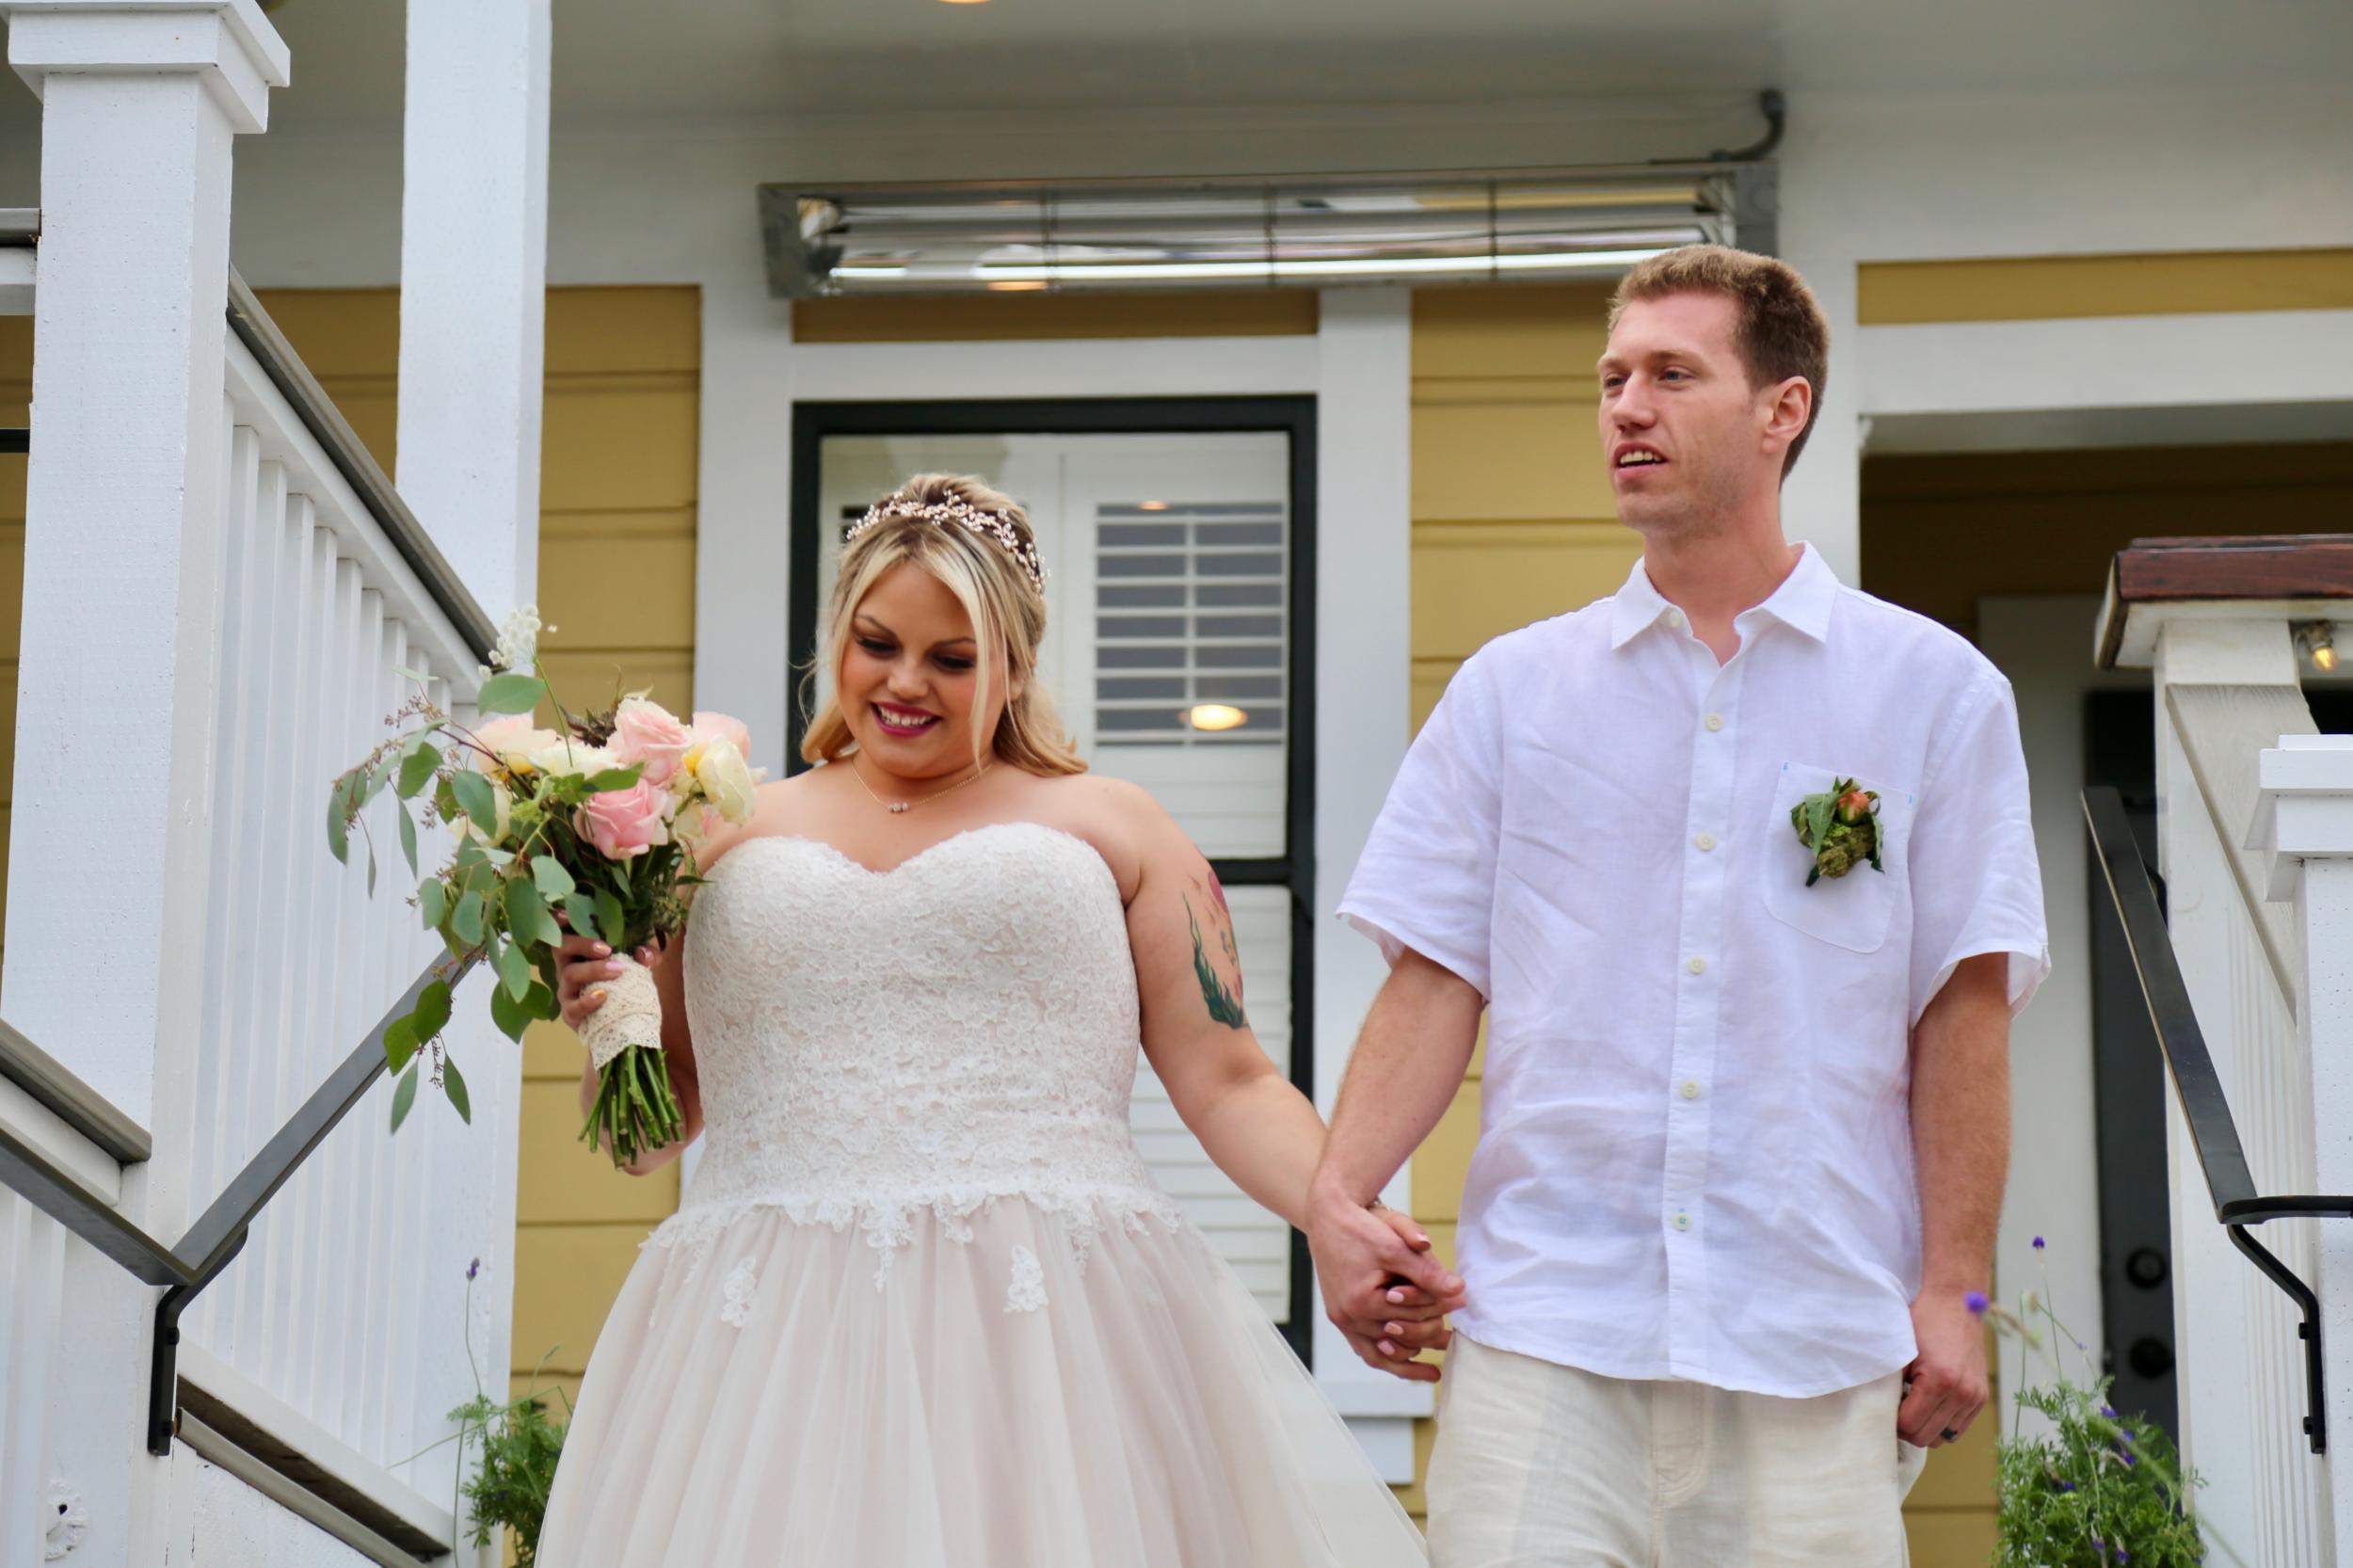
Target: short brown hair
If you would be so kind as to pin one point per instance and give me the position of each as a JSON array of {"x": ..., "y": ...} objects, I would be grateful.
[{"x": 1781, "y": 331}]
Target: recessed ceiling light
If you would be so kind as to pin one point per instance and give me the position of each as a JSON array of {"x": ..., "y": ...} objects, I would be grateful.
[
  {"x": 1216, "y": 716},
  {"x": 1026, "y": 285},
  {"x": 1151, "y": 505}
]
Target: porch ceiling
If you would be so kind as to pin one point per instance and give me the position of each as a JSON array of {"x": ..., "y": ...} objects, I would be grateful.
[{"x": 622, "y": 59}]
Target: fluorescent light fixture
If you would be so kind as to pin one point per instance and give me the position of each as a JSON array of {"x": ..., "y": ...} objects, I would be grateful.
[
  {"x": 1339, "y": 267},
  {"x": 1216, "y": 715},
  {"x": 1310, "y": 231}
]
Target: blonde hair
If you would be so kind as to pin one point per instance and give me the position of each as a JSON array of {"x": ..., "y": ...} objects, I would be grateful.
[
  {"x": 1008, "y": 614},
  {"x": 1780, "y": 331}
]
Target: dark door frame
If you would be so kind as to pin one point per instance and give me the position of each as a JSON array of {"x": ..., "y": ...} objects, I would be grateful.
[{"x": 1293, "y": 417}]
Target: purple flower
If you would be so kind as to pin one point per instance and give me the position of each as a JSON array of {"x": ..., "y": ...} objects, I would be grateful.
[
  {"x": 2067, "y": 1486},
  {"x": 2038, "y": 1243},
  {"x": 1976, "y": 1303},
  {"x": 2124, "y": 1556},
  {"x": 472, "y": 1269},
  {"x": 2108, "y": 1411}
]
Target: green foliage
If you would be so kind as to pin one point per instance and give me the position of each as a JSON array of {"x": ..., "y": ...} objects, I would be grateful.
[
  {"x": 2108, "y": 1489},
  {"x": 520, "y": 1447}
]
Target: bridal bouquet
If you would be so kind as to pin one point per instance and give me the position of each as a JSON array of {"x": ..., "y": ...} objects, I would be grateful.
[{"x": 595, "y": 822}]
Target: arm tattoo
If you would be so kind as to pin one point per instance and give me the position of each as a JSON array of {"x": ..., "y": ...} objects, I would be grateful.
[{"x": 1225, "y": 1005}]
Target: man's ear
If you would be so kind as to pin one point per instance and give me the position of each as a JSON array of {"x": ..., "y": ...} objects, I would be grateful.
[{"x": 1786, "y": 417}]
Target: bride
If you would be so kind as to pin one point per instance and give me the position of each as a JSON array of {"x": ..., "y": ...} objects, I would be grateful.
[{"x": 922, "y": 1304}]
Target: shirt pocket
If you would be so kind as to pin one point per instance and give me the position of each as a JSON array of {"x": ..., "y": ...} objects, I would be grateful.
[{"x": 1853, "y": 911}]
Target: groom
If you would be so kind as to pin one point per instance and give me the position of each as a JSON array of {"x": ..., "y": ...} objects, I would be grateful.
[{"x": 1738, "y": 864}]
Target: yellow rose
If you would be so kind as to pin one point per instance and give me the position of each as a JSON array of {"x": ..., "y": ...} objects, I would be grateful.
[
  {"x": 512, "y": 737},
  {"x": 727, "y": 780}
]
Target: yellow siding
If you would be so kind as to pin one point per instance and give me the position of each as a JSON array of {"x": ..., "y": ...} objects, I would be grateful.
[
  {"x": 1512, "y": 521},
  {"x": 616, "y": 582},
  {"x": 2048, "y": 288}
]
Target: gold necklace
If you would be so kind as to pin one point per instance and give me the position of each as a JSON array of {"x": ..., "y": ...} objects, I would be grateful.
[{"x": 898, "y": 808}]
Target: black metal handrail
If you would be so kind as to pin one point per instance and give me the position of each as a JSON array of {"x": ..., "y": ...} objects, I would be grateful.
[
  {"x": 2220, "y": 1155},
  {"x": 219, "y": 1233}
]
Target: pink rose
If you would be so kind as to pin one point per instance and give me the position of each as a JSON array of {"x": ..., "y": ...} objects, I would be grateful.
[
  {"x": 624, "y": 824},
  {"x": 719, "y": 726},
  {"x": 508, "y": 739},
  {"x": 644, "y": 733}
]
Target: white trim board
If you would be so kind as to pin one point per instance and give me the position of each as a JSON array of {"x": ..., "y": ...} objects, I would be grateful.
[{"x": 2027, "y": 385}]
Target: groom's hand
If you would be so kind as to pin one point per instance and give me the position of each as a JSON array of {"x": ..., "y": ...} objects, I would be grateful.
[
  {"x": 1945, "y": 1385},
  {"x": 1382, "y": 1287}
]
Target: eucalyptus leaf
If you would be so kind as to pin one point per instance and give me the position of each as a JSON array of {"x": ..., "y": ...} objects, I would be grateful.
[
  {"x": 511, "y": 1015},
  {"x": 432, "y": 903},
  {"x": 418, "y": 767},
  {"x": 400, "y": 1042},
  {"x": 370, "y": 867},
  {"x": 612, "y": 923},
  {"x": 466, "y": 920},
  {"x": 403, "y": 1096},
  {"x": 527, "y": 915},
  {"x": 477, "y": 800},
  {"x": 553, "y": 880},
  {"x": 514, "y": 970},
  {"x": 510, "y": 694},
  {"x": 418, "y": 676},
  {"x": 338, "y": 807},
  {"x": 580, "y": 909},
  {"x": 616, "y": 778},
  {"x": 540, "y": 1002},
  {"x": 454, "y": 1085},
  {"x": 432, "y": 1014},
  {"x": 408, "y": 838}
]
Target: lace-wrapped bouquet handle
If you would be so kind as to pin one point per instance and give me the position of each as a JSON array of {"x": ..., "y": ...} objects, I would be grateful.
[{"x": 593, "y": 826}]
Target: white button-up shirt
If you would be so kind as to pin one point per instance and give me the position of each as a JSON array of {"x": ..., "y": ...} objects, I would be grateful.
[{"x": 1695, "y": 1152}]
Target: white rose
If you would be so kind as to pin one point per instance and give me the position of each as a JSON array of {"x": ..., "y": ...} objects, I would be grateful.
[
  {"x": 560, "y": 757},
  {"x": 727, "y": 782}
]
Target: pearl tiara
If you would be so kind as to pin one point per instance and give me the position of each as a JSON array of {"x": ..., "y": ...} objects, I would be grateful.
[{"x": 940, "y": 513}]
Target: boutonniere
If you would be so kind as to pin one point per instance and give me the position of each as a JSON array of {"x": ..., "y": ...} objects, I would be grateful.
[{"x": 1841, "y": 826}]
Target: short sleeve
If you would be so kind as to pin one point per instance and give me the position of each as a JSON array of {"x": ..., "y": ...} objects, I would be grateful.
[
  {"x": 1427, "y": 877},
  {"x": 1977, "y": 886}
]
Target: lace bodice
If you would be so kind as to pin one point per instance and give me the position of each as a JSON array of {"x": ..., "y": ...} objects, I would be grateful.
[{"x": 959, "y": 1028}]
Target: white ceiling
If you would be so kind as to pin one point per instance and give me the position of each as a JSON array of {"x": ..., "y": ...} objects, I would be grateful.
[{"x": 625, "y": 58}]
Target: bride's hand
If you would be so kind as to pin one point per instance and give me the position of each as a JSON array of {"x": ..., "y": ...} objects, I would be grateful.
[{"x": 583, "y": 965}]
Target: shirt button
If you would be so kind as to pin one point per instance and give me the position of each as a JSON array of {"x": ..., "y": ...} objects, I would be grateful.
[
  {"x": 1706, "y": 840},
  {"x": 1696, "y": 966},
  {"x": 1691, "y": 1089},
  {"x": 1674, "y": 619},
  {"x": 1682, "y": 1220},
  {"x": 1715, "y": 721}
]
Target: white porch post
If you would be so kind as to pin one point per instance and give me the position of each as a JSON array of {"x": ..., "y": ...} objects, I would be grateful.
[
  {"x": 472, "y": 310},
  {"x": 473, "y": 267},
  {"x": 1364, "y": 410},
  {"x": 2305, "y": 828},
  {"x": 118, "y": 671},
  {"x": 2218, "y": 1405}
]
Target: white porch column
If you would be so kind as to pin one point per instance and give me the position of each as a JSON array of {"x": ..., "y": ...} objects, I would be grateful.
[
  {"x": 2218, "y": 1404},
  {"x": 2305, "y": 828},
  {"x": 474, "y": 266},
  {"x": 118, "y": 673},
  {"x": 1364, "y": 411},
  {"x": 472, "y": 312}
]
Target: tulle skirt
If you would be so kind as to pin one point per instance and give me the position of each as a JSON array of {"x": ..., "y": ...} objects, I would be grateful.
[{"x": 975, "y": 1390}]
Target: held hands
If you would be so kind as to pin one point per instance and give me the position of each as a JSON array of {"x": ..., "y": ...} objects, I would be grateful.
[
  {"x": 1382, "y": 1287},
  {"x": 1945, "y": 1385}
]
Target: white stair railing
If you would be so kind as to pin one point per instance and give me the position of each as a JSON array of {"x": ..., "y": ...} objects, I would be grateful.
[
  {"x": 218, "y": 586},
  {"x": 2207, "y": 619}
]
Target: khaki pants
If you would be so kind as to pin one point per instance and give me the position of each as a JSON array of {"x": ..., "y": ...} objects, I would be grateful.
[{"x": 1540, "y": 1466}]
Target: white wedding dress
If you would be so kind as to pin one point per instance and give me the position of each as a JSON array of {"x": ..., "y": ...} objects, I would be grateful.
[{"x": 923, "y": 1305}]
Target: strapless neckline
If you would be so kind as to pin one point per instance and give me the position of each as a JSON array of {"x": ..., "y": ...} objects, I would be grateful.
[{"x": 842, "y": 856}]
